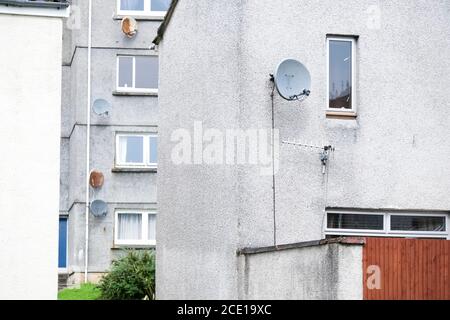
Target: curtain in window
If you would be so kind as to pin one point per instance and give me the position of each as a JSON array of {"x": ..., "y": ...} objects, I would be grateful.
[
  {"x": 130, "y": 227},
  {"x": 123, "y": 149},
  {"x": 152, "y": 227},
  {"x": 137, "y": 5}
]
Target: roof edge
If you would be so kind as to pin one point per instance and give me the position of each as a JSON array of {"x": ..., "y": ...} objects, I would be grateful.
[{"x": 162, "y": 28}]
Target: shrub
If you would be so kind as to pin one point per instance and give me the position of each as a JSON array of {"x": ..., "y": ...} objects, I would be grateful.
[{"x": 131, "y": 277}]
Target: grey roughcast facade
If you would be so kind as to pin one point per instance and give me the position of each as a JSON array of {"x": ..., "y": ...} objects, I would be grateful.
[
  {"x": 123, "y": 133},
  {"x": 379, "y": 96}
]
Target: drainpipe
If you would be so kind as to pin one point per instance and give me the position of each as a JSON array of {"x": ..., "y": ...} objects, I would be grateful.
[{"x": 88, "y": 138}]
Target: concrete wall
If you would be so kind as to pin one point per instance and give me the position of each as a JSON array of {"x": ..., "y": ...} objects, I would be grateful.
[
  {"x": 324, "y": 272},
  {"x": 124, "y": 190},
  {"x": 30, "y": 99},
  {"x": 215, "y": 64},
  {"x": 198, "y": 206}
]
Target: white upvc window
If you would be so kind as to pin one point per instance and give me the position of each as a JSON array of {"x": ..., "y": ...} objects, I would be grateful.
[
  {"x": 157, "y": 8},
  {"x": 136, "y": 150},
  {"x": 135, "y": 228},
  {"x": 387, "y": 224},
  {"x": 137, "y": 73},
  {"x": 341, "y": 74}
]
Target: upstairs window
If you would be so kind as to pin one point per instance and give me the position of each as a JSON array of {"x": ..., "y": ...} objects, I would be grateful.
[
  {"x": 137, "y": 74},
  {"x": 136, "y": 150},
  {"x": 341, "y": 74},
  {"x": 156, "y": 8}
]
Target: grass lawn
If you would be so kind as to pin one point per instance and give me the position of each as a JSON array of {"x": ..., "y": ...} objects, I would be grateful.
[{"x": 87, "y": 291}]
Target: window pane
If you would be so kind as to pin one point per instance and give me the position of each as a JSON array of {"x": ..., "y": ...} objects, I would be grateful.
[
  {"x": 153, "y": 149},
  {"x": 355, "y": 221},
  {"x": 131, "y": 149},
  {"x": 415, "y": 223},
  {"x": 152, "y": 227},
  {"x": 160, "y": 5},
  {"x": 130, "y": 226},
  {"x": 147, "y": 72},
  {"x": 126, "y": 72},
  {"x": 340, "y": 74},
  {"x": 137, "y": 5}
]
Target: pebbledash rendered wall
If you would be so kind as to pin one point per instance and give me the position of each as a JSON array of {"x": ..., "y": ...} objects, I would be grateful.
[
  {"x": 215, "y": 61},
  {"x": 321, "y": 270},
  {"x": 30, "y": 100},
  {"x": 121, "y": 190}
]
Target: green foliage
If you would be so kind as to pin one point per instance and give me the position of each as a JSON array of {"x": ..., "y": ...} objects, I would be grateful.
[
  {"x": 131, "y": 277},
  {"x": 87, "y": 291}
]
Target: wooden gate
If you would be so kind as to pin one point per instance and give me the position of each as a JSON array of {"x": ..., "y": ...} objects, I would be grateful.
[{"x": 406, "y": 269}]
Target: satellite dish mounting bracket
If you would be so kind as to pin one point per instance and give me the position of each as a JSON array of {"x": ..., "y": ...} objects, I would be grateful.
[{"x": 300, "y": 96}]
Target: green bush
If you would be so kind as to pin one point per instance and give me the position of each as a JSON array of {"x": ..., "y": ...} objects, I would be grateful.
[{"x": 131, "y": 277}]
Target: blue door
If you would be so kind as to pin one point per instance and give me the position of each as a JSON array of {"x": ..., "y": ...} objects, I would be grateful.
[{"x": 62, "y": 247}]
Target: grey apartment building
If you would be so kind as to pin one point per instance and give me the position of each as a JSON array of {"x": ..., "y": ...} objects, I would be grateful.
[
  {"x": 379, "y": 95},
  {"x": 123, "y": 137}
]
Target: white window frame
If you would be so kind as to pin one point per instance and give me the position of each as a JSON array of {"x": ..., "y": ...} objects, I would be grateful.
[
  {"x": 352, "y": 40},
  {"x": 133, "y": 88},
  {"x": 144, "y": 13},
  {"x": 146, "y": 149},
  {"x": 144, "y": 232},
  {"x": 387, "y": 232}
]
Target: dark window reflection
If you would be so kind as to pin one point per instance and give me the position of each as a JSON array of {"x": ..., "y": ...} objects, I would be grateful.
[
  {"x": 340, "y": 74},
  {"x": 415, "y": 223},
  {"x": 355, "y": 221}
]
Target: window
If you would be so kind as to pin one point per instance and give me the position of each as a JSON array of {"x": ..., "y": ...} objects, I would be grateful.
[
  {"x": 137, "y": 150},
  {"x": 417, "y": 223},
  {"x": 387, "y": 224},
  {"x": 137, "y": 73},
  {"x": 355, "y": 221},
  {"x": 157, "y": 8},
  {"x": 341, "y": 74},
  {"x": 135, "y": 228}
]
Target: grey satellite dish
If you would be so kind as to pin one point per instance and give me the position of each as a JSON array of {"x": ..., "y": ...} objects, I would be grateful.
[
  {"x": 101, "y": 107},
  {"x": 292, "y": 80},
  {"x": 99, "y": 208}
]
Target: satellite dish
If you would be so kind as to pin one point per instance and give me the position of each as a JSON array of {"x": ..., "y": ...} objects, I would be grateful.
[
  {"x": 292, "y": 80},
  {"x": 101, "y": 107},
  {"x": 99, "y": 208},
  {"x": 129, "y": 27},
  {"x": 96, "y": 179}
]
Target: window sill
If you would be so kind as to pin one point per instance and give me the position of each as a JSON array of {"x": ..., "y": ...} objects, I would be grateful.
[
  {"x": 341, "y": 114},
  {"x": 135, "y": 247},
  {"x": 134, "y": 170},
  {"x": 134, "y": 94},
  {"x": 139, "y": 17}
]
